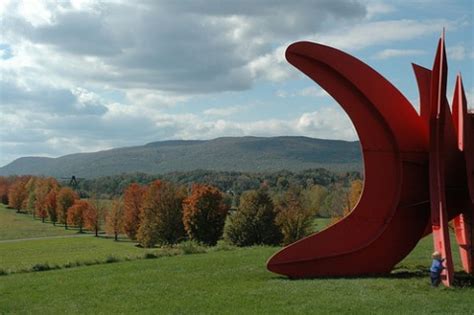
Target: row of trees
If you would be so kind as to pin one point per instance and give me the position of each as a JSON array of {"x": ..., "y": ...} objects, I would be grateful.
[
  {"x": 166, "y": 213},
  {"x": 234, "y": 182}
]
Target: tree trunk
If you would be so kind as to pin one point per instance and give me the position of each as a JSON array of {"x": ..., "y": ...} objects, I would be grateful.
[
  {"x": 42, "y": 219},
  {"x": 116, "y": 236},
  {"x": 96, "y": 232}
]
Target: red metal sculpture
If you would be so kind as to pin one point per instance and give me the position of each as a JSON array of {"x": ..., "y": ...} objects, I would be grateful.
[{"x": 419, "y": 170}]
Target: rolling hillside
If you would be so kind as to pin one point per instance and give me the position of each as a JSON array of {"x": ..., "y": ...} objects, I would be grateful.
[{"x": 247, "y": 154}]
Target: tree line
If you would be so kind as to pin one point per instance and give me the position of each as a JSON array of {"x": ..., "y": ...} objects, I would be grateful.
[{"x": 165, "y": 213}]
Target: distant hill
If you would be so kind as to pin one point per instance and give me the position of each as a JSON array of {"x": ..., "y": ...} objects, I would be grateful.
[{"x": 245, "y": 154}]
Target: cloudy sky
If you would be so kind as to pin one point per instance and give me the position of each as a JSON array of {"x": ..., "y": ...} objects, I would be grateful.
[{"x": 82, "y": 76}]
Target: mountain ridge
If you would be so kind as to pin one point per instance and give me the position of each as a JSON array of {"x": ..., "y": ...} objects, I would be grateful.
[{"x": 249, "y": 154}]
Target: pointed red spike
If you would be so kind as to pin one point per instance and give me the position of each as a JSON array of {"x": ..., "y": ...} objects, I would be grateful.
[
  {"x": 459, "y": 111},
  {"x": 423, "y": 79},
  {"x": 439, "y": 216}
]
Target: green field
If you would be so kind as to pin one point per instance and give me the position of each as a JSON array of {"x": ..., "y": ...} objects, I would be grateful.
[
  {"x": 216, "y": 282},
  {"x": 18, "y": 226}
]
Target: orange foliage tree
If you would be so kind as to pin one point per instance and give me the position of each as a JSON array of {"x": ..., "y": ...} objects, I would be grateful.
[
  {"x": 204, "y": 213},
  {"x": 161, "y": 215},
  {"x": 169, "y": 213},
  {"x": 75, "y": 214},
  {"x": 64, "y": 200},
  {"x": 42, "y": 188},
  {"x": 94, "y": 215},
  {"x": 133, "y": 201},
  {"x": 114, "y": 219},
  {"x": 17, "y": 193},
  {"x": 50, "y": 205}
]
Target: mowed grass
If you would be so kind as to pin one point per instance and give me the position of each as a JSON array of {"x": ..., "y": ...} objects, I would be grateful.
[
  {"x": 17, "y": 226},
  {"x": 217, "y": 282},
  {"x": 18, "y": 256},
  {"x": 222, "y": 282}
]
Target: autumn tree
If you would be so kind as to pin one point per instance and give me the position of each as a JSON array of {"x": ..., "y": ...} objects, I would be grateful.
[
  {"x": 94, "y": 215},
  {"x": 161, "y": 219},
  {"x": 76, "y": 213},
  {"x": 64, "y": 200},
  {"x": 29, "y": 203},
  {"x": 4, "y": 185},
  {"x": 254, "y": 221},
  {"x": 133, "y": 201},
  {"x": 293, "y": 218},
  {"x": 42, "y": 188},
  {"x": 313, "y": 198},
  {"x": 17, "y": 193},
  {"x": 354, "y": 194},
  {"x": 50, "y": 206},
  {"x": 114, "y": 218},
  {"x": 204, "y": 213}
]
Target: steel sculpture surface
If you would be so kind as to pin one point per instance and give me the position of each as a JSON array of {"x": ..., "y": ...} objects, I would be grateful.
[{"x": 419, "y": 170}]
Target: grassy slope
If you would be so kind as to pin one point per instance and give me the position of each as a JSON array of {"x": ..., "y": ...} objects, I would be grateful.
[
  {"x": 219, "y": 282},
  {"x": 17, "y": 226},
  {"x": 16, "y": 256}
]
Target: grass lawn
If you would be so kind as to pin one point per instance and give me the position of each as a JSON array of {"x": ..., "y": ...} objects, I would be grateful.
[
  {"x": 219, "y": 283},
  {"x": 17, "y": 256},
  {"x": 17, "y": 226}
]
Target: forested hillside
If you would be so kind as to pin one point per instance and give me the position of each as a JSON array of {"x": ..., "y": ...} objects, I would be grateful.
[{"x": 242, "y": 154}]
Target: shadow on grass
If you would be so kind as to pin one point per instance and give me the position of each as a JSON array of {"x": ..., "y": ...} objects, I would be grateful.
[{"x": 461, "y": 278}]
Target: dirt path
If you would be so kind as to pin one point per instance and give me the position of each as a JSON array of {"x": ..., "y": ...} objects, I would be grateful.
[{"x": 44, "y": 238}]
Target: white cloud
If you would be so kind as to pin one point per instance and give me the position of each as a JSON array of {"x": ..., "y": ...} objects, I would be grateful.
[
  {"x": 224, "y": 111},
  {"x": 457, "y": 52},
  {"x": 390, "y": 53},
  {"x": 313, "y": 91},
  {"x": 377, "y": 8},
  {"x": 363, "y": 35}
]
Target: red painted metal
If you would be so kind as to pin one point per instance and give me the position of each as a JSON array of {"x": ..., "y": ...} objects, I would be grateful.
[
  {"x": 415, "y": 175},
  {"x": 437, "y": 159}
]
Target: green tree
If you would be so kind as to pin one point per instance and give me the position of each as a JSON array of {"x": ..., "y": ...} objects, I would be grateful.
[{"x": 254, "y": 221}]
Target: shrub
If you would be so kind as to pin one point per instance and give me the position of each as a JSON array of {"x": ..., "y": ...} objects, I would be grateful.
[
  {"x": 41, "y": 267},
  {"x": 191, "y": 247},
  {"x": 254, "y": 221},
  {"x": 150, "y": 256},
  {"x": 204, "y": 214},
  {"x": 111, "y": 259}
]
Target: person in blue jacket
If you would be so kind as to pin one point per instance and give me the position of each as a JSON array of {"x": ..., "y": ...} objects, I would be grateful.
[{"x": 436, "y": 269}]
